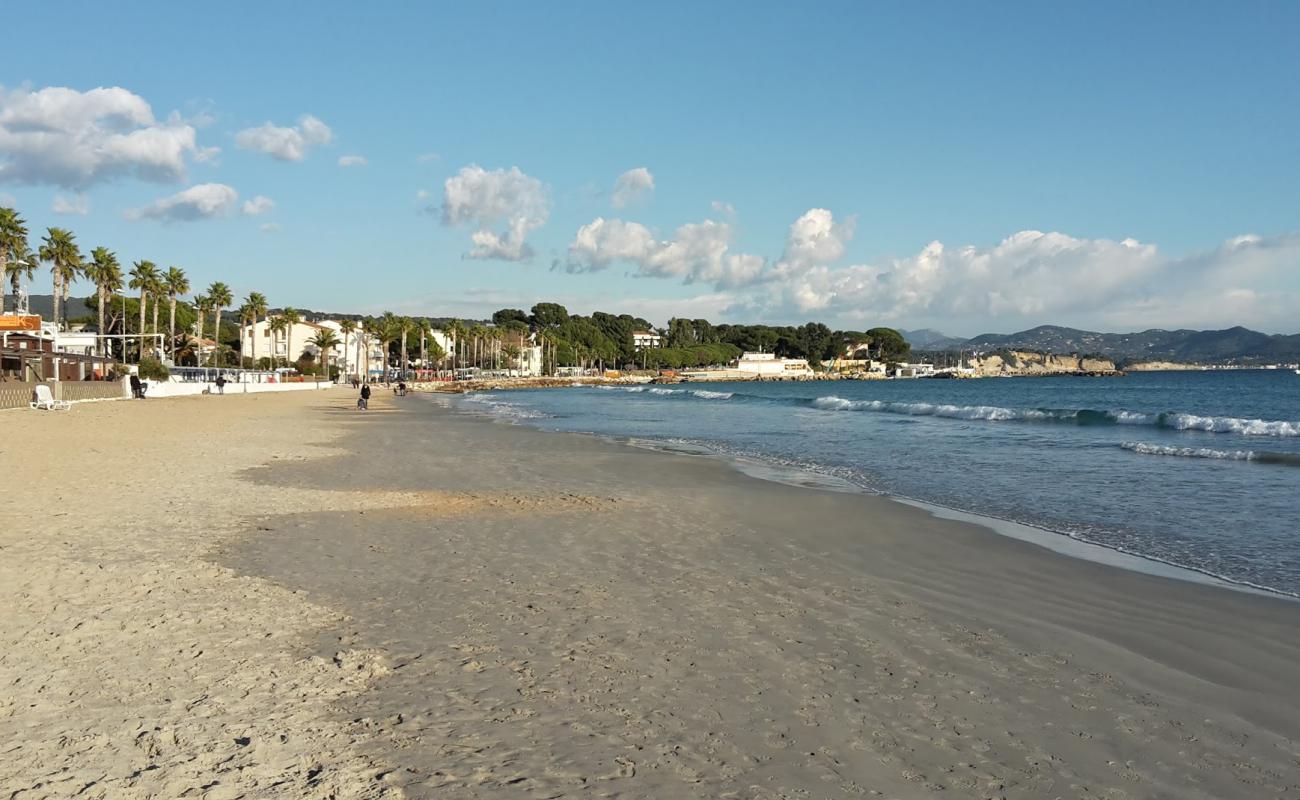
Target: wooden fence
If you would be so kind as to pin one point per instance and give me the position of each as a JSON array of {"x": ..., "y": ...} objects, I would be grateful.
[{"x": 17, "y": 394}]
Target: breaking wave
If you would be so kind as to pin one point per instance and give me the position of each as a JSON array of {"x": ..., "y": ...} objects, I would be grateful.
[
  {"x": 1078, "y": 416},
  {"x": 1262, "y": 457}
]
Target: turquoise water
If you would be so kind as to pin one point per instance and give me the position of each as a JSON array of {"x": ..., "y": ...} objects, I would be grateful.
[{"x": 1197, "y": 469}]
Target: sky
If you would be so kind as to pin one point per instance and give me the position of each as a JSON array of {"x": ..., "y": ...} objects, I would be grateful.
[{"x": 968, "y": 167}]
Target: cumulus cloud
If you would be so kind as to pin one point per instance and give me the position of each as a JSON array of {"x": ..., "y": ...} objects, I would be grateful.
[
  {"x": 1033, "y": 277},
  {"x": 78, "y": 204},
  {"x": 352, "y": 161},
  {"x": 64, "y": 137},
  {"x": 204, "y": 201},
  {"x": 701, "y": 252},
  {"x": 285, "y": 144},
  {"x": 258, "y": 205},
  {"x": 631, "y": 186},
  {"x": 697, "y": 253},
  {"x": 487, "y": 198},
  {"x": 815, "y": 239},
  {"x": 1029, "y": 273}
]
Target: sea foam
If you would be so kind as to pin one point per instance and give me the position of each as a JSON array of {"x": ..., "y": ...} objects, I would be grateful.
[{"x": 1078, "y": 416}]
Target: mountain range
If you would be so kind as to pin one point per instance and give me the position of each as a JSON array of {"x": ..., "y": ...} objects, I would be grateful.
[{"x": 1236, "y": 345}]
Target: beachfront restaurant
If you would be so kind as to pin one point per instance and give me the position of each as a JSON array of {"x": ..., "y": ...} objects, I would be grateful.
[{"x": 24, "y": 357}]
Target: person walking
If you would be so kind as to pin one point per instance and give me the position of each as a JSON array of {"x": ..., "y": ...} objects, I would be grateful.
[
  {"x": 363, "y": 402},
  {"x": 221, "y": 384}
]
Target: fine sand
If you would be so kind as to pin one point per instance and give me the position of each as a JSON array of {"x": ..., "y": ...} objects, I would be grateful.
[{"x": 277, "y": 596}]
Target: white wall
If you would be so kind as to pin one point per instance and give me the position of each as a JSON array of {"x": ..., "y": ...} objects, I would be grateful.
[{"x": 171, "y": 388}]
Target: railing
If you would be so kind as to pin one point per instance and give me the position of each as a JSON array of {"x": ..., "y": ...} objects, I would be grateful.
[{"x": 231, "y": 374}]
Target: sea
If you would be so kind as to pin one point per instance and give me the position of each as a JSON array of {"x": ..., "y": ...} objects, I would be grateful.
[{"x": 1199, "y": 471}]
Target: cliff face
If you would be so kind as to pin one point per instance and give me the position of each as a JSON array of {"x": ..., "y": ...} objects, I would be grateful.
[{"x": 1026, "y": 363}]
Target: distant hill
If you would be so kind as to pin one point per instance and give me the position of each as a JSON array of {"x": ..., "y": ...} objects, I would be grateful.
[
  {"x": 928, "y": 339},
  {"x": 43, "y": 304},
  {"x": 1233, "y": 345}
]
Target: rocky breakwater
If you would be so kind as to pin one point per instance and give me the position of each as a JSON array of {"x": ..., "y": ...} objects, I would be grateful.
[{"x": 1021, "y": 363}]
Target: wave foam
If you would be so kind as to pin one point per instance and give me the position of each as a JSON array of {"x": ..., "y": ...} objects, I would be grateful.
[
  {"x": 1262, "y": 457},
  {"x": 1080, "y": 416}
]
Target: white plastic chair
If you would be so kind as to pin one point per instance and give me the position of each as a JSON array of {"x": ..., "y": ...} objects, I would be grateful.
[{"x": 45, "y": 400}]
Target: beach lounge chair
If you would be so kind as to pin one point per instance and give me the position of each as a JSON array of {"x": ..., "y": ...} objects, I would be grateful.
[{"x": 45, "y": 400}]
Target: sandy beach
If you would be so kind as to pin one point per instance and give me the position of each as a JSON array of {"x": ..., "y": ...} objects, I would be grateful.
[{"x": 278, "y": 596}]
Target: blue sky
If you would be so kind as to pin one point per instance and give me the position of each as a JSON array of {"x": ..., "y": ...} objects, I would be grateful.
[{"x": 1151, "y": 146}]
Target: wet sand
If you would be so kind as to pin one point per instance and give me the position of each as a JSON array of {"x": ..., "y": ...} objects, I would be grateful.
[
  {"x": 281, "y": 597},
  {"x": 687, "y": 631}
]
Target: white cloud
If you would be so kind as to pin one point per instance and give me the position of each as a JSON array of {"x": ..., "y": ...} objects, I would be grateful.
[
  {"x": 7, "y": 199},
  {"x": 815, "y": 239},
  {"x": 1032, "y": 277},
  {"x": 285, "y": 144},
  {"x": 78, "y": 204},
  {"x": 1027, "y": 274},
  {"x": 352, "y": 161},
  {"x": 631, "y": 186},
  {"x": 258, "y": 205},
  {"x": 725, "y": 209},
  {"x": 74, "y": 139},
  {"x": 204, "y": 201},
  {"x": 427, "y": 158},
  {"x": 697, "y": 253},
  {"x": 422, "y": 194},
  {"x": 269, "y": 227},
  {"x": 482, "y": 198}
]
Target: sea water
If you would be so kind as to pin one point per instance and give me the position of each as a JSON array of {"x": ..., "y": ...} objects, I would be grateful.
[{"x": 1196, "y": 469}]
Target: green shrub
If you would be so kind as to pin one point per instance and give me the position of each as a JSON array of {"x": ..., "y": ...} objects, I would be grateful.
[{"x": 152, "y": 369}]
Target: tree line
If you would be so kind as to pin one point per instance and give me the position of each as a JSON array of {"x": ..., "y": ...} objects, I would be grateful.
[{"x": 130, "y": 305}]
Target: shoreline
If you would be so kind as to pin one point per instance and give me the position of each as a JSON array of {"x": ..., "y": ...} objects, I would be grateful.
[
  {"x": 1060, "y": 542},
  {"x": 412, "y": 602},
  {"x": 758, "y": 633}
]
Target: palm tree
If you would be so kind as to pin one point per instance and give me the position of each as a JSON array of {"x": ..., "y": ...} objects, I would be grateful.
[
  {"x": 176, "y": 284},
  {"x": 157, "y": 288},
  {"x": 291, "y": 318},
  {"x": 60, "y": 248},
  {"x": 106, "y": 274},
  {"x": 13, "y": 246},
  {"x": 387, "y": 330},
  {"x": 245, "y": 312},
  {"x": 365, "y": 338},
  {"x": 511, "y": 352},
  {"x": 347, "y": 326},
  {"x": 25, "y": 265},
  {"x": 325, "y": 341},
  {"x": 436, "y": 353},
  {"x": 144, "y": 276},
  {"x": 256, "y": 303},
  {"x": 405, "y": 325},
  {"x": 425, "y": 329},
  {"x": 220, "y": 296},
  {"x": 202, "y": 305}
]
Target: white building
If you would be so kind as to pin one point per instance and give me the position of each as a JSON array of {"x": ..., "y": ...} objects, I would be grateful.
[
  {"x": 767, "y": 365},
  {"x": 289, "y": 345},
  {"x": 913, "y": 370},
  {"x": 643, "y": 339}
]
